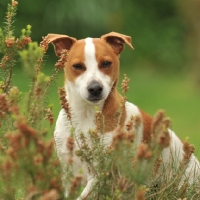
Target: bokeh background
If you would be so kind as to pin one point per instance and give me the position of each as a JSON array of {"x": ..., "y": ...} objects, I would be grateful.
[{"x": 164, "y": 67}]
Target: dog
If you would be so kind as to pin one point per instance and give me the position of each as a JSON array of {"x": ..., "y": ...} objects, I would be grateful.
[{"x": 91, "y": 76}]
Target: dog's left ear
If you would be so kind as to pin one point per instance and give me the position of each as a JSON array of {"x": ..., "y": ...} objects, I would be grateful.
[
  {"x": 117, "y": 40},
  {"x": 60, "y": 42}
]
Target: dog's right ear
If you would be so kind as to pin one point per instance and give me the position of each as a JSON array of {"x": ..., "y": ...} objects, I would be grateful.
[
  {"x": 117, "y": 40},
  {"x": 60, "y": 42}
]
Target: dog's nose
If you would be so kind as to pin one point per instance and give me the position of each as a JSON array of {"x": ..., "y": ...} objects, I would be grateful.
[{"x": 95, "y": 88}]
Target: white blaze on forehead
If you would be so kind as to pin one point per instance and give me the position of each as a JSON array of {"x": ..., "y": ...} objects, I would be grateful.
[
  {"x": 92, "y": 73},
  {"x": 90, "y": 58}
]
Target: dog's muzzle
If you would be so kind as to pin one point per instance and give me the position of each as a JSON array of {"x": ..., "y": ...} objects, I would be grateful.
[{"x": 95, "y": 91}]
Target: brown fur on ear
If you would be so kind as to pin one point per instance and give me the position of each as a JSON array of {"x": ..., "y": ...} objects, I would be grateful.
[
  {"x": 60, "y": 42},
  {"x": 117, "y": 40}
]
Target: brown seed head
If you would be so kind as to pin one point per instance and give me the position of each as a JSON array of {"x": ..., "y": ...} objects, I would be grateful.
[
  {"x": 124, "y": 84},
  {"x": 70, "y": 144},
  {"x": 21, "y": 43},
  {"x": 143, "y": 152},
  {"x": 188, "y": 151},
  {"x": 140, "y": 195},
  {"x": 37, "y": 160},
  {"x": 50, "y": 195},
  {"x": 9, "y": 42},
  {"x": 25, "y": 129},
  {"x": 164, "y": 139},
  {"x": 158, "y": 119},
  {"x": 63, "y": 59},
  {"x": 4, "y": 106},
  {"x": 14, "y": 3},
  {"x": 119, "y": 136},
  {"x": 75, "y": 182},
  {"x": 130, "y": 136},
  {"x": 44, "y": 44},
  {"x": 49, "y": 116},
  {"x": 64, "y": 103},
  {"x": 160, "y": 130}
]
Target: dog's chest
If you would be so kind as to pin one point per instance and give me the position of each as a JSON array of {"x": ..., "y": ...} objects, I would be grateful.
[{"x": 82, "y": 123}]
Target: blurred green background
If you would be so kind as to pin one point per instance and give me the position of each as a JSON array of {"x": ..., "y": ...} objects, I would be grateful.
[{"x": 164, "y": 67}]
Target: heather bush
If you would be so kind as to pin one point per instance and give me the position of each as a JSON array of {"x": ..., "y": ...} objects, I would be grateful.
[{"x": 28, "y": 165}]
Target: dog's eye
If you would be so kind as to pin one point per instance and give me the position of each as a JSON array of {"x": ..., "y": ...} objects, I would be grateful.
[
  {"x": 78, "y": 66},
  {"x": 106, "y": 64}
]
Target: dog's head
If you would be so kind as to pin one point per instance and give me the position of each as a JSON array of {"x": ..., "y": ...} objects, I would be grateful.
[{"x": 92, "y": 65}]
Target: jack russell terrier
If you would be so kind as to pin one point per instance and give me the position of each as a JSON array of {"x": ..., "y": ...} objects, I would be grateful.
[{"x": 91, "y": 76}]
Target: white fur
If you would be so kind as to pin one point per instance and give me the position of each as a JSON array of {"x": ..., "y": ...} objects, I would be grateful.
[
  {"x": 83, "y": 120},
  {"x": 83, "y": 113}
]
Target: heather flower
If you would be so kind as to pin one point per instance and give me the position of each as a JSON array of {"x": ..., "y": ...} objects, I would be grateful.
[
  {"x": 70, "y": 143},
  {"x": 14, "y": 3},
  {"x": 50, "y": 195},
  {"x": 4, "y": 106},
  {"x": 9, "y": 42},
  {"x": 188, "y": 151},
  {"x": 160, "y": 130},
  {"x": 63, "y": 59},
  {"x": 64, "y": 103},
  {"x": 22, "y": 42},
  {"x": 124, "y": 84},
  {"x": 143, "y": 152},
  {"x": 75, "y": 182},
  {"x": 44, "y": 44},
  {"x": 140, "y": 194},
  {"x": 49, "y": 116}
]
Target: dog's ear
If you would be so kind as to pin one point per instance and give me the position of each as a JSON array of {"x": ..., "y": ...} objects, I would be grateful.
[
  {"x": 117, "y": 40},
  {"x": 60, "y": 42}
]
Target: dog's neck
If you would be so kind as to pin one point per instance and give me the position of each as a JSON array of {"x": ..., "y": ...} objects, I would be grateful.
[{"x": 113, "y": 110}]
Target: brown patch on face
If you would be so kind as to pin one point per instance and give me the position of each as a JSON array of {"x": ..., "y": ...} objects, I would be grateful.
[
  {"x": 75, "y": 56},
  {"x": 104, "y": 53},
  {"x": 147, "y": 126}
]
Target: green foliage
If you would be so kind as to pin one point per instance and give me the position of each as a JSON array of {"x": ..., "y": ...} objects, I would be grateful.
[
  {"x": 156, "y": 27},
  {"x": 28, "y": 167}
]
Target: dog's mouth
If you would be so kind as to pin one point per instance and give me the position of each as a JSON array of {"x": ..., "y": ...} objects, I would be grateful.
[{"x": 94, "y": 99}]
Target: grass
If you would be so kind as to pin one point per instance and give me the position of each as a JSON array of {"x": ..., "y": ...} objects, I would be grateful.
[{"x": 176, "y": 94}]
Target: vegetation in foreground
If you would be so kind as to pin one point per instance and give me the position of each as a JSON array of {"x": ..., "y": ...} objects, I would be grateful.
[{"x": 29, "y": 168}]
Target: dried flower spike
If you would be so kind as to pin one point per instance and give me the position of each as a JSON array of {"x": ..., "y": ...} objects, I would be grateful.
[
  {"x": 124, "y": 84},
  {"x": 188, "y": 151},
  {"x": 4, "y": 106},
  {"x": 70, "y": 144},
  {"x": 75, "y": 182},
  {"x": 44, "y": 44},
  {"x": 140, "y": 194},
  {"x": 64, "y": 103},
  {"x": 143, "y": 152},
  {"x": 9, "y": 42},
  {"x": 63, "y": 59},
  {"x": 160, "y": 131},
  {"x": 14, "y": 3},
  {"x": 49, "y": 116},
  {"x": 21, "y": 43},
  {"x": 50, "y": 195}
]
